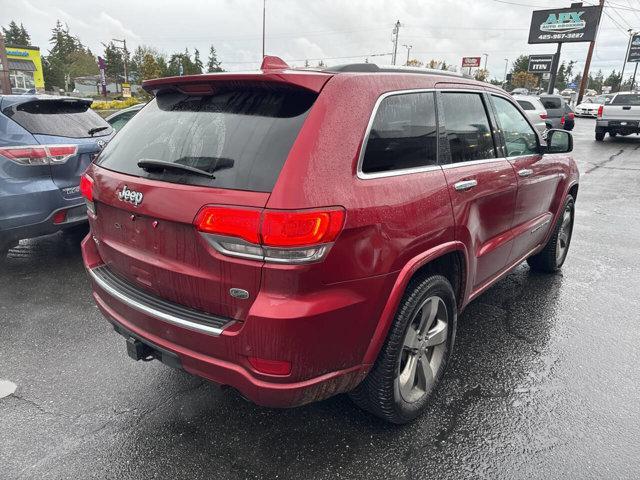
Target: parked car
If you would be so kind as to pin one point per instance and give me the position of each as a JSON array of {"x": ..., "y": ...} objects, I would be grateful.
[
  {"x": 567, "y": 92},
  {"x": 119, "y": 119},
  {"x": 569, "y": 118},
  {"x": 621, "y": 116},
  {"x": 297, "y": 234},
  {"x": 589, "y": 107},
  {"x": 46, "y": 143},
  {"x": 519, "y": 91},
  {"x": 555, "y": 107},
  {"x": 534, "y": 110}
]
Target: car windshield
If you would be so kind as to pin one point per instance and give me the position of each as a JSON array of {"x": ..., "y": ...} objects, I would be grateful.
[{"x": 627, "y": 99}]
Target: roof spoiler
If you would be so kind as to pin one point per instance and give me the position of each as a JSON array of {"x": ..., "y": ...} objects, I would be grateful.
[{"x": 273, "y": 70}]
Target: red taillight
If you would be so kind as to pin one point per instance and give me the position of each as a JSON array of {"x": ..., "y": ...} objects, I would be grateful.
[
  {"x": 543, "y": 116},
  {"x": 296, "y": 229},
  {"x": 279, "y": 236},
  {"x": 270, "y": 367},
  {"x": 562, "y": 120},
  {"x": 39, "y": 155},
  {"x": 229, "y": 221},
  {"x": 86, "y": 187},
  {"x": 60, "y": 217},
  {"x": 600, "y": 109}
]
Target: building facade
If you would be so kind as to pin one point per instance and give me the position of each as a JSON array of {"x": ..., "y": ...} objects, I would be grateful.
[{"x": 25, "y": 68}]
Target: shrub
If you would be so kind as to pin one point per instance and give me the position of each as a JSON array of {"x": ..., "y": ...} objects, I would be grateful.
[{"x": 114, "y": 104}]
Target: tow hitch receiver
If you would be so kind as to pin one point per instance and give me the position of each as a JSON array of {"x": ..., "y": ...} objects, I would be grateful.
[{"x": 139, "y": 350}]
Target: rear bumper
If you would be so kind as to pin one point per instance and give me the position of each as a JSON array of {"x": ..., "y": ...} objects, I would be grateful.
[
  {"x": 27, "y": 209},
  {"x": 631, "y": 126},
  {"x": 324, "y": 337}
]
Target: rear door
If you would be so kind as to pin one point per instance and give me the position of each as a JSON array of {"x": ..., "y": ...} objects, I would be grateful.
[
  {"x": 482, "y": 186},
  {"x": 537, "y": 175},
  {"x": 241, "y": 135},
  {"x": 555, "y": 110}
]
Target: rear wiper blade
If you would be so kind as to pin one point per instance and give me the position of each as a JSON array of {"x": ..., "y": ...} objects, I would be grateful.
[
  {"x": 96, "y": 130},
  {"x": 150, "y": 164}
]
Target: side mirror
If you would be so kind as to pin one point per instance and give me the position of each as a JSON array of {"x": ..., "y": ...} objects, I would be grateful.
[{"x": 559, "y": 141}]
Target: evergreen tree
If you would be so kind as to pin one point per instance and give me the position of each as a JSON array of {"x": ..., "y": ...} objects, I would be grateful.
[
  {"x": 149, "y": 68},
  {"x": 65, "y": 50},
  {"x": 520, "y": 64},
  {"x": 197, "y": 62},
  {"x": 114, "y": 58},
  {"x": 613, "y": 81},
  {"x": 213, "y": 65},
  {"x": 16, "y": 35}
]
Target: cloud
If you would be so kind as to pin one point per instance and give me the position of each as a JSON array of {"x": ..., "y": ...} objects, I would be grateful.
[
  {"x": 32, "y": 8},
  {"x": 119, "y": 26}
]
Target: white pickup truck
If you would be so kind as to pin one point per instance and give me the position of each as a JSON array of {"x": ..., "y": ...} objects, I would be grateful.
[{"x": 621, "y": 116}]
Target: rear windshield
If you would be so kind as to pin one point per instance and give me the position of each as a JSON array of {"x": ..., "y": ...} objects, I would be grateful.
[
  {"x": 61, "y": 118},
  {"x": 526, "y": 105},
  {"x": 242, "y": 136},
  {"x": 551, "y": 102},
  {"x": 628, "y": 99}
]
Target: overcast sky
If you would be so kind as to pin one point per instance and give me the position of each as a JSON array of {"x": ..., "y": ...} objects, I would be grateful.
[{"x": 332, "y": 30}]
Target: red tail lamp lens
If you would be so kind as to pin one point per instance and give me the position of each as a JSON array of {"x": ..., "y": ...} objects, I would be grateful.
[
  {"x": 600, "y": 109},
  {"x": 294, "y": 229},
  {"x": 86, "y": 187},
  {"x": 234, "y": 222},
  {"x": 270, "y": 367},
  {"x": 60, "y": 217}
]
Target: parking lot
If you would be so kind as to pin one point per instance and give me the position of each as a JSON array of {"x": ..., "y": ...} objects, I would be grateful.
[{"x": 543, "y": 382}]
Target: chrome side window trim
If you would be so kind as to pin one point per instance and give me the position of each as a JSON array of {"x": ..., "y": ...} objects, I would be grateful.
[
  {"x": 363, "y": 146},
  {"x": 450, "y": 166}
]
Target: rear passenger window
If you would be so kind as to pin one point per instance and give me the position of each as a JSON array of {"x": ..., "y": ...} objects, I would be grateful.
[
  {"x": 403, "y": 134},
  {"x": 468, "y": 131}
]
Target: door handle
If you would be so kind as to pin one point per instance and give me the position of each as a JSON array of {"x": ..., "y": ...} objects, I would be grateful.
[
  {"x": 525, "y": 172},
  {"x": 465, "y": 185}
]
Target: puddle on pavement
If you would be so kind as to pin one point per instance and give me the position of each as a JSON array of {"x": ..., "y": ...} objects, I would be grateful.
[{"x": 6, "y": 388}]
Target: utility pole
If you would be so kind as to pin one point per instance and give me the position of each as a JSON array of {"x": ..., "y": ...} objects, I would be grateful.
[
  {"x": 626, "y": 57},
  {"x": 264, "y": 16},
  {"x": 408, "y": 47},
  {"x": 126, "y": 54},
  {"x": 587, "y": 64},
  {"x": 506, "y": 66},
  {"x": 633, "y": 82},
  {"x": 396, "y": 30},
  {"x": 5, "y": 81}
]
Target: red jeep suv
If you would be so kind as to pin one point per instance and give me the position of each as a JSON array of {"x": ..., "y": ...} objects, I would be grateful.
[{"x": 295, "y": 234}]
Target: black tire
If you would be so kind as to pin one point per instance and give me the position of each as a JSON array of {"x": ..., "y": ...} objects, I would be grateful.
[
  {"x": 380, "y": 392},
  {"x": 554, "y": 253},
  {"x": 599, "y": 136},
  {"x": 613, "y": 134}
]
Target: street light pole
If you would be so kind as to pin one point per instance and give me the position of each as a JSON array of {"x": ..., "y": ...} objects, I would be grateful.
[
  {"x": 408, "y": 47},
  {"x": 506, "y": 65},
  {"x": 486, "y": 59}
]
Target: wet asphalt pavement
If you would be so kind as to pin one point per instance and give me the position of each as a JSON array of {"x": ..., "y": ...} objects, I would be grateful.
[{"x": 544, "y": 381}]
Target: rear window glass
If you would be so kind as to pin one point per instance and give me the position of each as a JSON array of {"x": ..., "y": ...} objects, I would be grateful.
[
  {"x": 242, "y": 136},
  {"x": 62, "y": 118},
  {"x": 629, "y": 99},
  {"x": 551, "y": 102},
  {"x": 403, "y": 134},
  {"x": 526, "y": 105}
]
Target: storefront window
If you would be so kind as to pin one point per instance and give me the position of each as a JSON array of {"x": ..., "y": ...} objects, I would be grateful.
[{"x": 20, "y": 79}]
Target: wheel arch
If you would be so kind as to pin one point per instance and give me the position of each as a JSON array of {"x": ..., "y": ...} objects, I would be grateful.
[{"x": 449, "y": 260}]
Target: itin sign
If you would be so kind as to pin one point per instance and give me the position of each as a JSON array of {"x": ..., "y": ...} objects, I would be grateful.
[
  {"x": 540, "y": 63},
  {"x": 634, "y": 49},
  {"x": 470, "y": 62},
  {"x": 574, "y": 24}
]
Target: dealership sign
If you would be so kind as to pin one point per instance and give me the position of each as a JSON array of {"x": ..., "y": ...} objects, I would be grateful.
[
  {"x": 540, "y": 63},
  {"x": 634, "y": 49},
  {"x": 470, "y": 62},
  {"x": 574, "y": 24}
]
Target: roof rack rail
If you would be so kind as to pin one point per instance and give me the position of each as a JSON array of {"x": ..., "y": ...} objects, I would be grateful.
[{"x": 373, "y": 68}]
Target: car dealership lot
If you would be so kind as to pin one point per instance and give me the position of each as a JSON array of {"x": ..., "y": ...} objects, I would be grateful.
[{"x": 543, "y": 382}]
